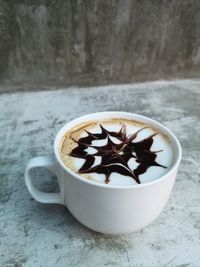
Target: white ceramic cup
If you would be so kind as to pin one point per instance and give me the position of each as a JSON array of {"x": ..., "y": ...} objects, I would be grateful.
[{"x": 101, "y": 207}]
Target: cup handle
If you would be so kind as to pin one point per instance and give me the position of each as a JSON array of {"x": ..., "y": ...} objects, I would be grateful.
[{"x": 42, "y": 197}]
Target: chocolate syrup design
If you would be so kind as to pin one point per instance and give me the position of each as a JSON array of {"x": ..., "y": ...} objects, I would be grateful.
[{"x": 115, "y": 157}]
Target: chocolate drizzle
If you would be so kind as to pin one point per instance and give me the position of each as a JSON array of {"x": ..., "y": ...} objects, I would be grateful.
[{"x": 115, "y": 157}]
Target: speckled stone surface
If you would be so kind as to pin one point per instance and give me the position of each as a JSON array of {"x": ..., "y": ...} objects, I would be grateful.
[{"x": 33, "y": 234}]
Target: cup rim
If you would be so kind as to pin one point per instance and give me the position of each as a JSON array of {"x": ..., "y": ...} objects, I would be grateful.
[{"x": 135, "y": 117}]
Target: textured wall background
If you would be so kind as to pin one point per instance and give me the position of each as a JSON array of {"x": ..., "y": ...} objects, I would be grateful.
[{"x": 56, "y": 43}]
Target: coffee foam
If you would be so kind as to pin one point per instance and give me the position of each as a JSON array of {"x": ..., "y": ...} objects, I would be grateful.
[{"x": 160, "y": 142}]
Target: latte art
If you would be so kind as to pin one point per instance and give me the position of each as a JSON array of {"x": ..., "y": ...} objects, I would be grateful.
[
  {"x": 115, "y": 157},
  {"x": 116, "y": 152}
]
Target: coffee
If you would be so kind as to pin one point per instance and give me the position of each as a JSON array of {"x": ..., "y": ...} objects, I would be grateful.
[{"x": 116, "y": 151}]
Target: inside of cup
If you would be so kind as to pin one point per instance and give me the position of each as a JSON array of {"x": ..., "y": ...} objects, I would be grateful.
[{"x": 123, "y": 115}]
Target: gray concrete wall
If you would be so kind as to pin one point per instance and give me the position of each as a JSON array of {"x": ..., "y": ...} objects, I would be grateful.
[{"x": 57, "y": 43}]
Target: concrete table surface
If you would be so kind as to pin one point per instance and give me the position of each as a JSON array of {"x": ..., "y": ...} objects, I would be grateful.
[{"x": 33, "y": 234}]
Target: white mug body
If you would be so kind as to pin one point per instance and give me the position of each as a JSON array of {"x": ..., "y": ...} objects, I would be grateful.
[{"x": 106, "y": 208}]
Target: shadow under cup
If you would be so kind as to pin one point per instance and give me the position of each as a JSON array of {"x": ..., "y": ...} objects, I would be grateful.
[{"x": 107, "y": 208}]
